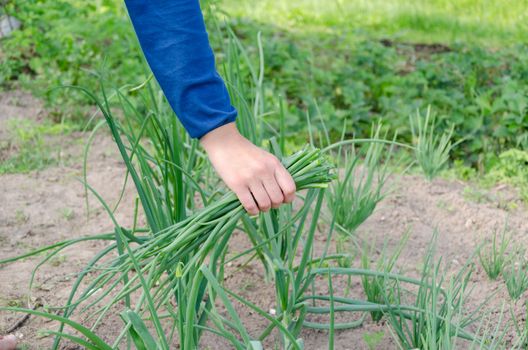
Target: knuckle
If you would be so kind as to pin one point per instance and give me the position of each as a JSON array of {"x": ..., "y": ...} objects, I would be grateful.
[
  {"x": 251, "y": 208},
  {"x": 265, "y": 206},
  {"x": 273, "y": 161},
  {"x": 238, "y": 180},
  {"x": 245, "y": 178},
  {"x": 290, "y": 189},
  {"x": 278, "y": 200},
  {"x": 258, "y": 169},
  {"x": 290, "y": 197}
]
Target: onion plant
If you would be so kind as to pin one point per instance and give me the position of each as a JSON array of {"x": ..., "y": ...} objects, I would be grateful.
[
  {"x": 516, "y": 276},
  {"x": 436, "y": 317},
  {"x": 493, "y": 330},
  {"x": 493, "y": 258},
  {"x": 166, "y": 267},
  {"x": 170, "y": 259},
  {"x": 431, "y": 149},
  {"x": 164, "y": 166},
  {"x": 521, "y": 328},
  {"x": 375, "y": 287},
  {"x": 353, "y": 197}
]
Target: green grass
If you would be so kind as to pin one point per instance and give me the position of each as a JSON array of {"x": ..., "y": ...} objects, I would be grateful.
[
  {"x": 28, "y": 146},
  {"x": 488, "y": 23}
]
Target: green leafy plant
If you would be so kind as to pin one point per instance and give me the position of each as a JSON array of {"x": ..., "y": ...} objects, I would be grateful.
[
  {"x": 436, "y": 318},
  {"x": 51, "y": 50},
  {"x": 516, "y": 276},
  {"x": 493, "y": 258},
  {"x": 373, "y": 339},
  {"x": 431, "y": 149},
  {"x": 376, "y": 288},
  {"x": 510, "y": 168},
  {"x": 27, "y": 147},
  {"x": 353, "y": 197}
]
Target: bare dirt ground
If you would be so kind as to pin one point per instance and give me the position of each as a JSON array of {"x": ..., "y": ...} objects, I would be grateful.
[{"x": 44, "y": 207}]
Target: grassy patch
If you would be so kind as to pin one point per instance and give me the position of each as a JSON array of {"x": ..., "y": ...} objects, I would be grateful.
[
  {"x": 510, "y": 167},
  {"x": 469, "y": 21},
  {"x": 27, "y": 147}
]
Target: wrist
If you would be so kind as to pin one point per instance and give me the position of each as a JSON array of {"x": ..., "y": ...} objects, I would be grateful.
[{"x": 220, "y": 136}]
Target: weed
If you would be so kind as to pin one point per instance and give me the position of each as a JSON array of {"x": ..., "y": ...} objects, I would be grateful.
[
  {"x": 450, "y": 208},
  {"x": 477, "y": 195},
  {"x": 510, "y": 167},
  {"x": 58, "y": 260},
  {"x": 21, "y": 217},
  {"x": 373, "y": 339},
  {"x": 67, "y": 213},
  {"x": 28, "y": 148}
]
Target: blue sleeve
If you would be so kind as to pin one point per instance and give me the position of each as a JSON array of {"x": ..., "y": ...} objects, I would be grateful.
[{"x": 174, "y": 40}]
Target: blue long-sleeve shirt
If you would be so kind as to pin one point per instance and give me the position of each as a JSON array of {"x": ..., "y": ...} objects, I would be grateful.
[{"x": 174, "y": 40}]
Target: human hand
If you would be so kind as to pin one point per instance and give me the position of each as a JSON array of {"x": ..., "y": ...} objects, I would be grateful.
[
  {"x": 8, "y": 342},
  {"x": 257, "y": 177}
]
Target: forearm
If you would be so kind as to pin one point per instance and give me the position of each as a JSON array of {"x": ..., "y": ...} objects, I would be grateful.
[{"x": 174, "y": 40}]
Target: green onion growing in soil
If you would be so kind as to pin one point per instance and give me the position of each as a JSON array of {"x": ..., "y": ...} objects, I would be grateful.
[
  {"x": 308, "y": 169},
  {"x": 166, "y": 264}
]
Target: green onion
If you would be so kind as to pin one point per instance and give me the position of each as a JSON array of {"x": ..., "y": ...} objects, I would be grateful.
[{"x": 167, "y": 247}]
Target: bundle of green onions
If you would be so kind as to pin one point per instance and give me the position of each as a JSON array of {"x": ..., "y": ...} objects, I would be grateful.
[
  {"x": 308, "y": 169},
  {"x": 184, "y": 247}
]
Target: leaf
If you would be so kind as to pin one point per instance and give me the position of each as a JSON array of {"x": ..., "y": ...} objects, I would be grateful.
[{"x": 138, "y": 331}]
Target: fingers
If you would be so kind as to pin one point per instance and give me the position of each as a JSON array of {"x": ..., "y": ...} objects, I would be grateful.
[
  {"x": 274, "y": 192},
  {"x": 245, "y": 197},
  {"x": 264, "y": 187},
  {"x": 8, "y": 342},
  {"x": 286, "y": 183},
  {"x": 261, "y": 196}
]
